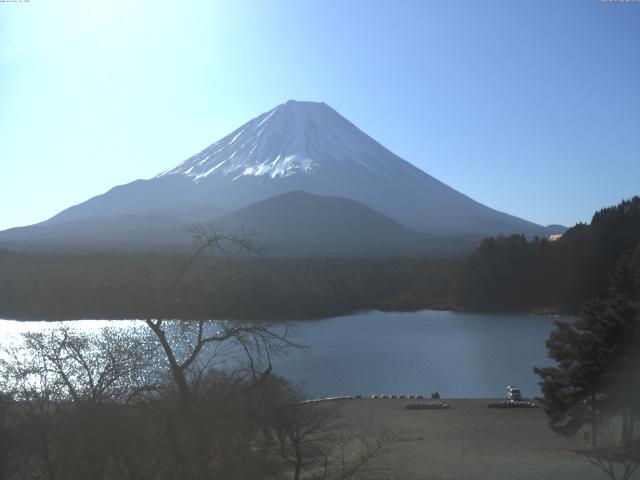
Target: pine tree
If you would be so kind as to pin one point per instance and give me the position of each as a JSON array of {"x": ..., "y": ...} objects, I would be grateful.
[{"x": 597, "y": 374}]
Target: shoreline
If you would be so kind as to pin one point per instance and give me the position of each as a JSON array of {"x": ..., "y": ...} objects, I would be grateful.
[{"x": 267, "y": 319}]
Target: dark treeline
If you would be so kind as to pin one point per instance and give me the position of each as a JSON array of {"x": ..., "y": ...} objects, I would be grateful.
[
  {"x": 503, "y": 274},
  {"x": 112, "y": 285},
  {"x": 511, "y": 273}
]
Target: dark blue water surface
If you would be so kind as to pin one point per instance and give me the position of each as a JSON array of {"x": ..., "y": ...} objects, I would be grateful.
[{"x": 461, "y": 355}]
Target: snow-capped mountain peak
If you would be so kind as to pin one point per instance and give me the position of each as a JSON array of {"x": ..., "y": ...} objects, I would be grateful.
[
  {"x": 307, "y": 147},
  {"x": 293, "y": 138}
]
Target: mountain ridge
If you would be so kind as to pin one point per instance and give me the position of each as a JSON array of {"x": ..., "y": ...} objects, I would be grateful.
[{"x": 299, "y": 146}]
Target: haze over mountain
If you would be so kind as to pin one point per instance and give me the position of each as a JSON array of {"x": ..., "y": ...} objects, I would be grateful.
[
  {"x": 300, "y": 222},
  {"x": 295, "y": 147}
]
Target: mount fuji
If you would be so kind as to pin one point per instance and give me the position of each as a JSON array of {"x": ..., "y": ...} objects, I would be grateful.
[{"x": 295, "y": 147}]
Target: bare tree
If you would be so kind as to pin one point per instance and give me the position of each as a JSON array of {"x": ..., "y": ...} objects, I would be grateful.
[
  {"x": 86, "y": 368},
  {"x": 618, "y": 460},
  {"x": 257, "y": 340},
  {"x": 214, "y": 366},
  {"x": 180, "y": 398},
  {"x": 316, "y": 442},
  {"x": 7, "y": 434},
  {"x": 71, "y": 388}
]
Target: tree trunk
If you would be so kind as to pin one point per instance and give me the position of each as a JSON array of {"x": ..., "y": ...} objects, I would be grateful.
[
  {"x": 626, "y": 429},
  {"x": 298, "y": 465},
  {"x": 44, "y": 438},
  {"x": 594, "y": 420},
  {"x": 176, "y": 371}
]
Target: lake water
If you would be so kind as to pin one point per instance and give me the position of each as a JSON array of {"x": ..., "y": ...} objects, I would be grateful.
[{"x": 461, "y": 355}]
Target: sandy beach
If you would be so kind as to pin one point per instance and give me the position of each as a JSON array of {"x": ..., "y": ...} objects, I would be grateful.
[{"x": 467, "y": 441}]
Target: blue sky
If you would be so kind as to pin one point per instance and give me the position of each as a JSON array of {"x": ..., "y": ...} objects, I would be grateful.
[{"x": 532, "y": 108}]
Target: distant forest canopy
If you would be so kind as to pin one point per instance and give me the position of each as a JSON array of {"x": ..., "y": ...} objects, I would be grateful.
[
  {"x": 513, "y": 274},
  {"x": 502, "y": 274},
  {"x": 117, "y": 286}
]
